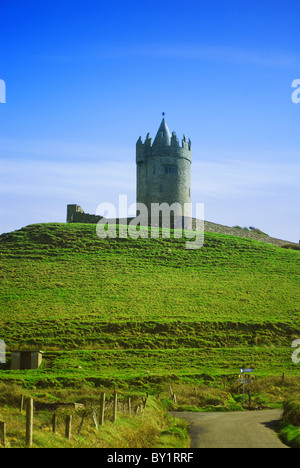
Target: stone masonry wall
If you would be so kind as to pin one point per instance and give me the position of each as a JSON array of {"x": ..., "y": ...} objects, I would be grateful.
[
  {"x": 154, "y": 185},
  {"x": 219, "y": 228}
]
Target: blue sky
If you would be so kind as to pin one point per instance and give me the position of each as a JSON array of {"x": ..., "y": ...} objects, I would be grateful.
[{"x": 85, "y": 79}]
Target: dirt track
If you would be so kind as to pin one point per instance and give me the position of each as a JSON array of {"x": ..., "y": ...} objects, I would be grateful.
[{"x": 249, "y": 429}]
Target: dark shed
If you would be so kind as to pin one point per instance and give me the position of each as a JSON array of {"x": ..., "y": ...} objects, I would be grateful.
[{"x": 26, "y": 360}]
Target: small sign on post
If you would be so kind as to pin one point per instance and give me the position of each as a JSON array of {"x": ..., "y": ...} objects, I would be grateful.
[{"x": 245, "y": 378}]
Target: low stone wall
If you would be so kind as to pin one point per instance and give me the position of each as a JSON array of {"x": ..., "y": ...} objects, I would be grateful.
[
  {"x": 219, "y": 228},
  {"x": 77, "y": 215}
]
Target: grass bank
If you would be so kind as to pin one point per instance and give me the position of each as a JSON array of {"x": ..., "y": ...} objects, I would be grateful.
[
  {"x": 289, "y": 429},
  {"x": 150, "y": 427},
  {"x": 142, "y": 312}
]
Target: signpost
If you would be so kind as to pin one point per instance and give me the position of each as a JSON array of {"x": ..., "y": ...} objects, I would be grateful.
[{"x": 245, "y": 378}]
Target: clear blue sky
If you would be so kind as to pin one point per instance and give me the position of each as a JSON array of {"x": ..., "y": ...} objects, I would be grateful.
[{"x": 85, "y": 79}]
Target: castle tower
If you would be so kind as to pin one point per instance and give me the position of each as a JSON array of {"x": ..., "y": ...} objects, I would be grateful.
[{"x": 164, "y": 169}]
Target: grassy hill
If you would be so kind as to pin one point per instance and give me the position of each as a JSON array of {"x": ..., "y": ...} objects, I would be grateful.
[{"x": 142, "y": 311}]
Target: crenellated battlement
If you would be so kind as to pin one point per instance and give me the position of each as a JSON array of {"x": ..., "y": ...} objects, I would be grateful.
[
  {"x": 164, "y": 144},
  {"x": 160, "y": 141}
]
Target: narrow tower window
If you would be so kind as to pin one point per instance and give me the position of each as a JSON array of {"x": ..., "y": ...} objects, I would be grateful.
[{"x": 170, "y": 169}]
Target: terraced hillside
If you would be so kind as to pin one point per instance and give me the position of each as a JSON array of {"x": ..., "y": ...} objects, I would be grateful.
[{"x": 145, "y": 310}]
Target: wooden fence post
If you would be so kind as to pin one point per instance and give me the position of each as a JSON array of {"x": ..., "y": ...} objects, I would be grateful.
[
  {"x": 68, "y": 426},
  {"x": 22, "y": 403},
  {"x": 94, "y": 418},
  {"x": 129, "y": 406},
  {"x": 54, "y": 423},
  {"x": 102, "y": 409},
  {"x": 82, "y": 421},
  {"x": 3, "y": 434},
  {"x": 115, "y": 407},
  {"x": 29, "y": 422},
  {"x": 145, "y": 400}
]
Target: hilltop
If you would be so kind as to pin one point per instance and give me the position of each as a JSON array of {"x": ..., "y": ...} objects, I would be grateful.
[{"x": 142, "y": 310}]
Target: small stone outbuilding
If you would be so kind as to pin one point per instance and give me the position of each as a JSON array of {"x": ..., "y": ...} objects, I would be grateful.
[{"x": 21, "y": 360}]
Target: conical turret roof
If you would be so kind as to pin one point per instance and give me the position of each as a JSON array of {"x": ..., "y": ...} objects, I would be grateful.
[{"x": 163, "y": 136}]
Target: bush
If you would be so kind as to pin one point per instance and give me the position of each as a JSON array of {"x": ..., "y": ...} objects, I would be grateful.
[
  {"x": 251, "y": 229},
  {"x": 290, "y": 435},
  {"x": 290, "y": 423},
  {"x": 291, "y": 412},
  {"x": 291, "y": 246}
]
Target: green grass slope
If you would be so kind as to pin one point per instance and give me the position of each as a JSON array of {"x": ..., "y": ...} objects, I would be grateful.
[{"x": 143, "y": 309}]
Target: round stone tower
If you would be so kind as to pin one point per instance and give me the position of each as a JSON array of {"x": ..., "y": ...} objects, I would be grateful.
[{"x": 164, "y": 169}]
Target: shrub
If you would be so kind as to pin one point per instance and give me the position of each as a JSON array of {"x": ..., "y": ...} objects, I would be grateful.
[{"x": 291, "y": 411}]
